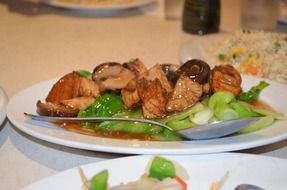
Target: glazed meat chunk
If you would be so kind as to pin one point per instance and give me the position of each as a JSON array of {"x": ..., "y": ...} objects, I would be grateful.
[
  {"x": 68, "y": 96},
  {"x": 70, "y": 86},
  {"x": 156, "y": 72},
  {"x": 153, "y": 98},
  {"x": 185, "y": 94},
  {"x": 130, "y": 94},
  {"x": 136, "y": 66}
]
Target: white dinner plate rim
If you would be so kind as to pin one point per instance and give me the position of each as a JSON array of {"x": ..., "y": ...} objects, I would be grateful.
[
  {"x": 70, "y": 139},
  {"x": 234, "y": 162},
  {"x": 94, "y": 7},
  {"x": 199, "y": 44},
  {"x": 3, "y": 105}
]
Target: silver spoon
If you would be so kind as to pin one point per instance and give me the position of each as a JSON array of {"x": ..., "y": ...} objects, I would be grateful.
[
  {"x": 248, "y": 187},
  {"x": 209, "y": 131}
]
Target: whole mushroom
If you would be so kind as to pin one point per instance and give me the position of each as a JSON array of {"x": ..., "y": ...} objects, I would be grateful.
[{"x": 112, "y": 76}]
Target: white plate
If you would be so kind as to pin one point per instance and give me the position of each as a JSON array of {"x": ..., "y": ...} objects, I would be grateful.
[
  {"x": 25, "y": 101},
  {"x": 267, "y": 172},
  {"x": 196, "y": 49},
  {"x": 99, "y": 7},
  {"x": 3, "y": 104}
]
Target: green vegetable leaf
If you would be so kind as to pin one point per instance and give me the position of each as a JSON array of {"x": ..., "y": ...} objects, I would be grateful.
[
  {"x": 104, "y": 106},
  {"x": 219, "y": 98},
  {"x": 168, "y": 135},
  {"x": 184, "y": 114},
  {"x": 255, "y": 126},
  {"x": 253, "y": 93},
  {"x": 178, "y": 125},
  {"x": 129, "y": 126},
  {"x": 100, "y": 181},
  {"x": 85, "y": 74},
  {"x": 224, "y": 112},
  {"x": 243, "y": 111}
]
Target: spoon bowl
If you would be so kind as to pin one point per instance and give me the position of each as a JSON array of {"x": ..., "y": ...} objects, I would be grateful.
[
  {"x": 201, "y": 132},
  {"x": 248, "y": 187}
]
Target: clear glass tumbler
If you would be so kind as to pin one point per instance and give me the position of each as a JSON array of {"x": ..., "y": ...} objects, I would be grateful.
[{"x": 259, "y": 14}]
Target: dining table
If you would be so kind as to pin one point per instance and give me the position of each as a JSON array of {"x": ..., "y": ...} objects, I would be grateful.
[{"x": 39, "y": 42}]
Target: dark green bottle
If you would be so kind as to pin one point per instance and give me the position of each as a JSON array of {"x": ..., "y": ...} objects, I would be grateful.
[{"x": 201, "y": 16}]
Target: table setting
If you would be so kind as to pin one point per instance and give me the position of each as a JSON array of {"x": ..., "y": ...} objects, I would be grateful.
[{"x": 120, "y": 58}]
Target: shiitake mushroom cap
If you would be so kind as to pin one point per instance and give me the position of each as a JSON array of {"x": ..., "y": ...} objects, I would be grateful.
[{"x": 196, "y": 69}]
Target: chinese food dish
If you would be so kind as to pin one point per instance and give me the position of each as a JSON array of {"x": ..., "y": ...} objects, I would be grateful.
[
  {"x": 162, "y": 174},
  {"x": 256, "y": 53},
  {"x": 180, "y": 96}
]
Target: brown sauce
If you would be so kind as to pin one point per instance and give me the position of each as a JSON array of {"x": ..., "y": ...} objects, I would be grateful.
[
  {"x": 75, "y": 127},
  {"x": 261, "y": 104}
]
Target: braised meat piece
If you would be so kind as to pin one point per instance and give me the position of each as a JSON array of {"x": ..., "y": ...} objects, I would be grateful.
[
  {"x": 153, "y": 98},
  {"x": 68, "y": 95},
  {"x": 136, "y": 66},
  {"x": 86, "y": 88},
  {"x": 55, "y": 110},
  {"x": 185, "y": 94},
  {"x": 226, "y": 77},
  {"x": 156, "y": 72},
  {"x": 64, "y": 88},
  {"x": 170, "y": 71},
  {"x": 130, "y": 94},
  {"x": 78, "y": 103},
  {"x": 66, "y": 108},
  {"x": 70, "y": 86}
]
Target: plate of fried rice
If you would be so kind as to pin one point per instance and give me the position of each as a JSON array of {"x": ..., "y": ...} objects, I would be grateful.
[{"x": 257, "y": 53}]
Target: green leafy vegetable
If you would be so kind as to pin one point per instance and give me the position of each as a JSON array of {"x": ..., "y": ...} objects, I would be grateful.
[
  {"x": 170, "y": 135},
  {"x": 253, "y": 93},
  {"x": 99, "y": 181},
  {"x": 224, "y": 112},
  {"x": 202, "y": 117},
  {"x": 263, "y": 112},
  {"x": 219, "y": 104},
  {"x": 182, "y": 124},
  {"x": 104, "y": 106},
  {"x": 220, "y": 98},
  {"x": 129, "y": 126},
  {"x": 85, "y": 74},
  {"x": 161, "y": 168},
  {"x": 242, "y": 110},
  {"x": 182, "y": 115},
  {"x": 260, "y": 124}
]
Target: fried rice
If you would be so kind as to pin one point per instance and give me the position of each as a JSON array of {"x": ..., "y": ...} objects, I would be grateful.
[{"x": 258, "y": 53}]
